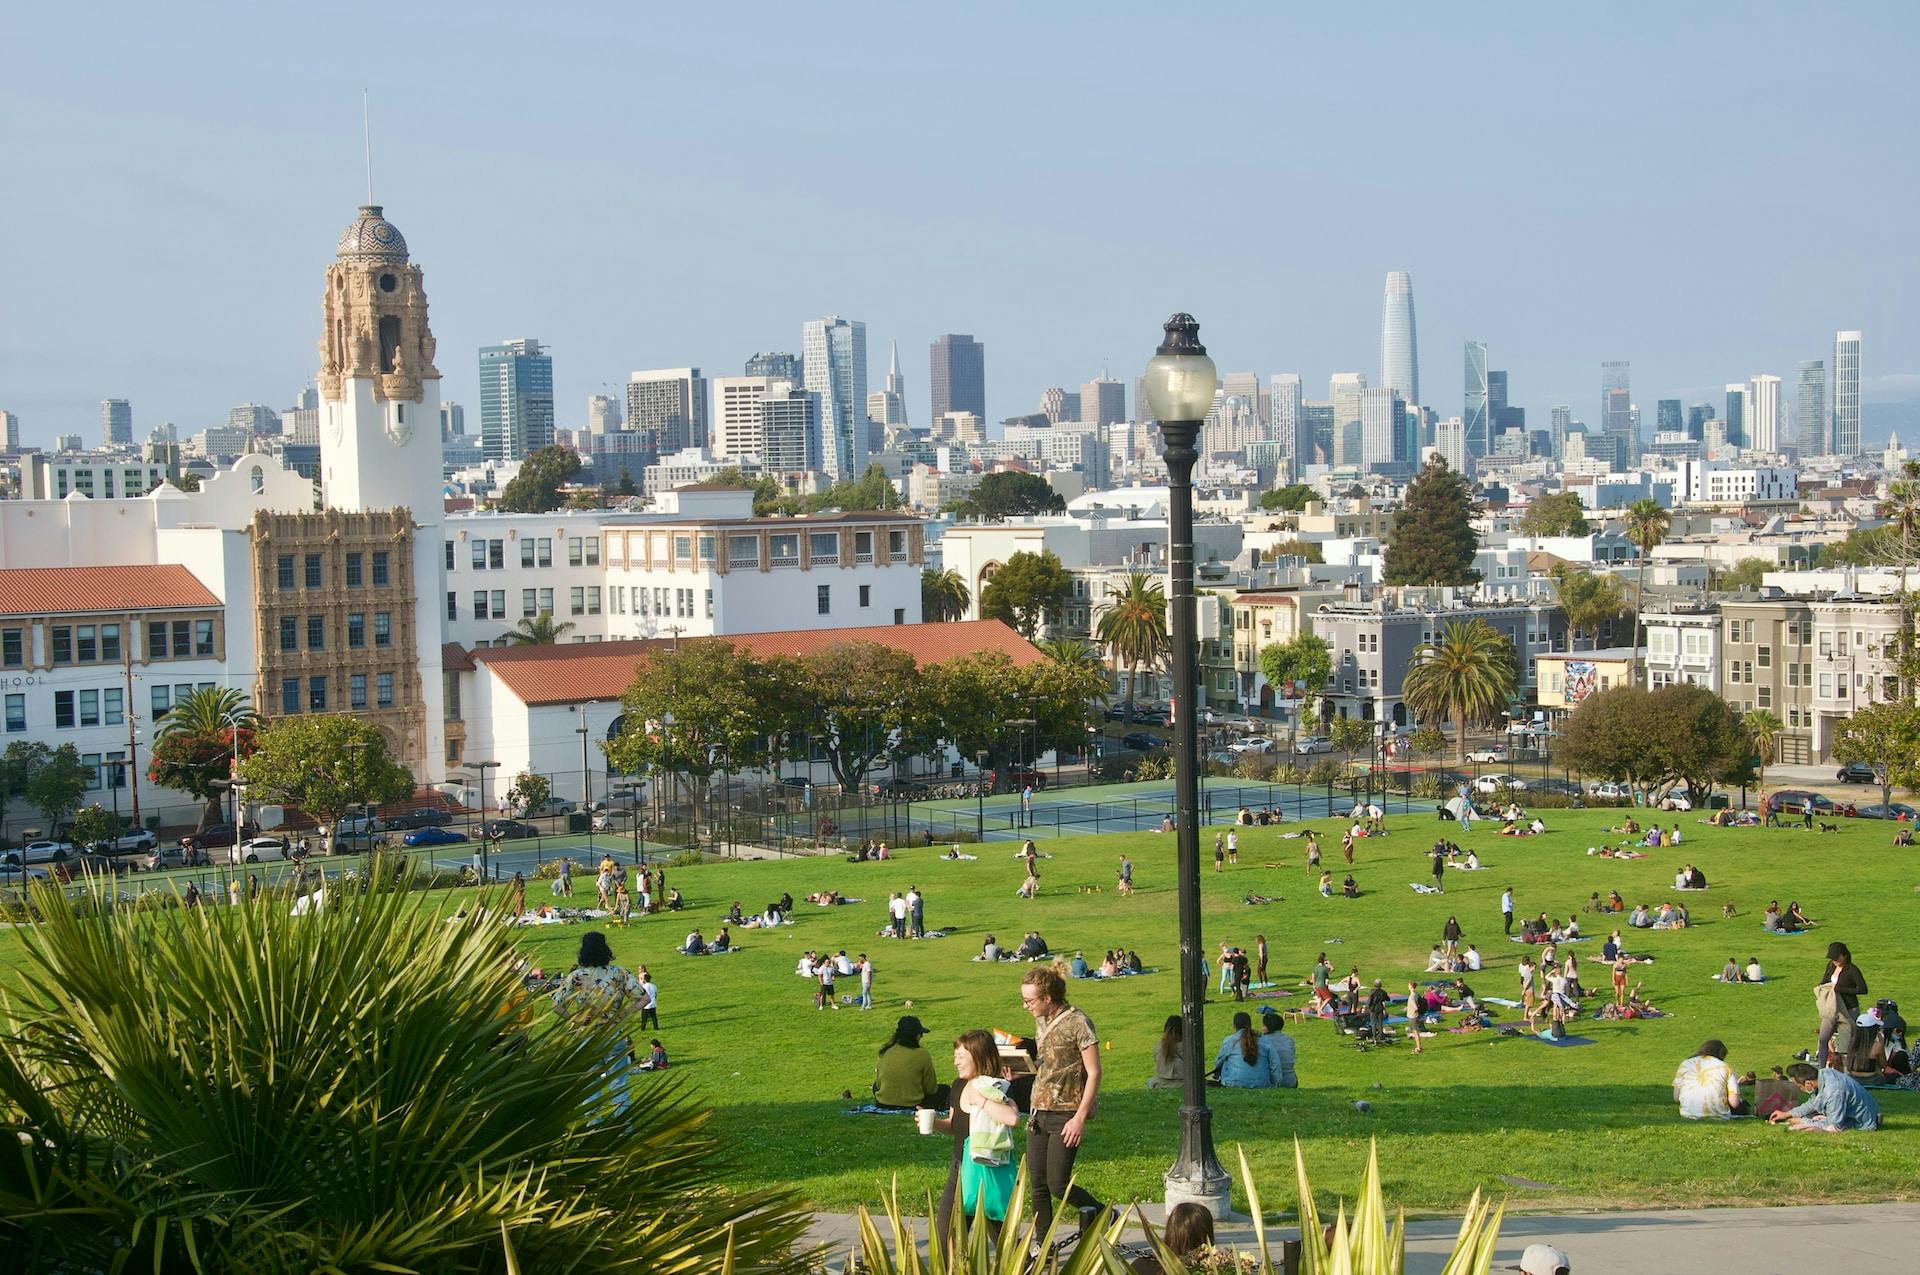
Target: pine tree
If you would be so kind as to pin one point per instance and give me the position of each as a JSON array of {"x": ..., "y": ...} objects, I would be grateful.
[{"x": 1433, "y": 541}]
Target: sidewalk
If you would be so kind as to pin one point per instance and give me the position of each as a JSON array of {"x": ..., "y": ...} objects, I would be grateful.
[{"x": 1787, "y": 1241}]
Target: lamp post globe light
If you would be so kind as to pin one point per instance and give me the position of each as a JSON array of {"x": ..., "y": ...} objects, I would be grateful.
[{"x": 1179, "y": 385}]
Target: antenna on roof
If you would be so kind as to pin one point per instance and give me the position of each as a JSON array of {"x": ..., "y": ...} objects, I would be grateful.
[{"x": 366, "y": 130}]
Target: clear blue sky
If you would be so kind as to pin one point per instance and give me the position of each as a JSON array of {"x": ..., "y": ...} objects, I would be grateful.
[{"x": 1706, "y": 190}]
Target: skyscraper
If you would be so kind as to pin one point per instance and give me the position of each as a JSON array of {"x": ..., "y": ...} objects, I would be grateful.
[
  {"x": 670, "y": 405},
  {"x": 1286, "y": 422},
  {"x": 1764, "y": 401},
  {"x": 1739, "y": 420},
  {"x": 1698, "y": 414},
  {"x": 1399, "y": 341},
  {"x": 116, "y": 422},
  {"x": 790, "y": 437},
  {"x": 1667, "y": 417},
  {"x": 453, "y": 420},
  {"x": 1473, "y": 417},
  {"x": 888, "y": 406},
  {"x": 516, "y": 399},
  {"x": 1616, "y": 408},
  {"x": 1347, "y": 390},
  {"x": 1810, "y": 424},
  {"x": 603, "y": 413},
  {"x": 835, "y": 354},
  {"x": 957, "y": 375},
  {"x": 1103, "y": 401},
  {"x": 780, "y": 365},
  {"x": 256, "y": 418},
  {"x": 1383, "y": 432},
  {"x": 9, "y": 432},
  {"x": 737, "y": 416},
  {"x": 1846, "y": 393},
  {"x": 1562, "y": 417}
]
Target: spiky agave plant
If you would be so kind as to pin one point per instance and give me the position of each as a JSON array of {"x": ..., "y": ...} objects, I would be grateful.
[
  {"x": 967, "y": 1251},
  {"x": 366, "y": 1087}
]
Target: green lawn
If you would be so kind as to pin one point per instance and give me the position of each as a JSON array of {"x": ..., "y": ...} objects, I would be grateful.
[{"x": 1597, "y": 1122}]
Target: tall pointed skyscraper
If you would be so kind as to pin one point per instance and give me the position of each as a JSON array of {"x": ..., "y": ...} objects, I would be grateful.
[
  {"x": 888, "y": 406},
  {"x": 1399, "y": 342},
  {"x": 1476, "y": 439}
]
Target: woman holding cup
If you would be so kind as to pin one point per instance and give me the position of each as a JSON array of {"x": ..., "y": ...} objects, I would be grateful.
[{"x": 981, "y": 1121}]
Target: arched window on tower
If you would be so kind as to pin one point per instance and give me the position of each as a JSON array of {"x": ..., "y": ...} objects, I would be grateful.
[{"x": 389, "y": 341}]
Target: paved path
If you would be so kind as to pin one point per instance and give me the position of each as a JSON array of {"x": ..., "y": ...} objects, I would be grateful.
[{"x": 1791, "y": 1241}]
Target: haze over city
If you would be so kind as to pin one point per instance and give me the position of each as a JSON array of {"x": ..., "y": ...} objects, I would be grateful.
[{"x": 1709, "y": 193}]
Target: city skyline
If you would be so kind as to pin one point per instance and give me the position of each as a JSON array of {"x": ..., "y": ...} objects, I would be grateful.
[{"x": 142, "y": 106}]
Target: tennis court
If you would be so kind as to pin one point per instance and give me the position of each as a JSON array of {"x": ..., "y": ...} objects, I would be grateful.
[{"x": 1135, "y": 807}]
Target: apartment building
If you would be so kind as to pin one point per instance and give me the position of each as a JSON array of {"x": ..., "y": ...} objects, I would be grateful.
[{"x": 1767, "y": 662}]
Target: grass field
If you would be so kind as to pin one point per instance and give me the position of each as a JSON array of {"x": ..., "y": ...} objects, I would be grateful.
[{"x": 1596, "y": 1123}]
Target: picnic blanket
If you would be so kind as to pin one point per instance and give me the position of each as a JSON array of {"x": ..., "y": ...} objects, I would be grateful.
[
  {"x": 1463, "y": 867},
  {"x": 950, "y": 858},
  {"x": 1565, "y": 1042},
  {"x": 1785, "y": 934},
  {"x": 1419, "y": 887},
  {"x": 1584, "y": 938},
  {"x": 1733, "y": 981},
  {"x": 874, "y": 1109},
  {"x": 1501, "y": 1000}
]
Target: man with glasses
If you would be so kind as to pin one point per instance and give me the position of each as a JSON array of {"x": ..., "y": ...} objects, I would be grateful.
[{"x": 1065, "y": 1087}]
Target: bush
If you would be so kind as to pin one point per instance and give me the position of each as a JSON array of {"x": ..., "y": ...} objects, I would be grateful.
[{"x": 1326, "y": 772}]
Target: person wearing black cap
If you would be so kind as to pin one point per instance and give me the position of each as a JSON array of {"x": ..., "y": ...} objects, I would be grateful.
[{"x": 904, "y": 1077}]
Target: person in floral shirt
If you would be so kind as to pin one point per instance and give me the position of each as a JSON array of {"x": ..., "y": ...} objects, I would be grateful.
[{"x": 597, "y": 991}]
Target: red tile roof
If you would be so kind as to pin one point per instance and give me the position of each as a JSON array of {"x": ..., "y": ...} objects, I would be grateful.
[
  {"x": 88, "y": 590},
  {"x": 574, "y": 672},
  {"x": 455, "y": 658}
]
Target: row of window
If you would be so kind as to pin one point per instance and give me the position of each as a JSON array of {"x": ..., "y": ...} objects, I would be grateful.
[
  {"x": 742, "y": 550},
  {"x": 535, "y": 551},
  {"x": 316, "y": 627},
  {"x": 101, "y": 706},
  {"x": 316, "y": 693},
  {"x": 309, "y": 570},
  {"x": 101, "y": 643},
  {"x": 675, "y": 603}
]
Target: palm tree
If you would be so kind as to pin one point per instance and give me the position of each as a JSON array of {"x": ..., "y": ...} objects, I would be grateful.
[
  {"x": 1133, "y": 625},
  {"x": 1901, "y": 508},
  {"x": 539, "y": 630},
  {"x": 943, "y": 595},
  {"x": 1467, "y": 676},
  {"x": 1647, "y": 525},
  {"x": 198, "y": 742},
  {"x": 1071, "y": 652},
  {"x": 1588, "y": 600},
  {"x": 1766, "y": 728}
]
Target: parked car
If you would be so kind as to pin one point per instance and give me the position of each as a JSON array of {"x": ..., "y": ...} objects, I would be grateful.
[
  {"x": 1019, "y": 777},
  {"x": 262, "y": 850},
  {"x": 1564, "y": 787},
  {"x": 43, "y": 851},
  {"x": 511, "y": 830},
  {"x": 631, "y": 799},
  {"x": 1792, "y": 800},
  {"x": 1116, "y": 713},
  {"x": 168, "y": 856},
  {"x": 1857, "y": 772},
  {"x": 1611, "y": 791},
  {"x": 548, "y": 808},
  {"x": 1895, "y": 810},
  {"x": 425, "y": 817},
  {"x": 1496, "y": 782},
  {"x": 1488, "y": 753},
  {"x": 1142, "y": 741},
  {"x": 434, "y": 836},
  {"x": 614, "y": 820},
  {"x": 1238, "y": 722},
  {"x": 1306, "y": 745},
  {"x": 1251, "y": 744},
  {"x": 349, "y": 827},
  {"x": 1148, "y": 715}
]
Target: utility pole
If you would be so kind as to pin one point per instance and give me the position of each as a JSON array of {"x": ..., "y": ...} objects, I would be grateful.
[{"x": 133, "y": 735}]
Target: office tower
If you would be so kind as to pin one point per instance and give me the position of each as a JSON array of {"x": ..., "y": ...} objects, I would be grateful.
[
  {"x": 1316, "y": 425},
  {"x": 603, "y": 413},
  {"x": 1286, "y": 423},
  {"x": 69, "y": 443},
  {"x": 300, "y": 427},
  {"x": 1450, "y": 440},
  {"x": 960, "y": 427},
  {"x": 1562, "y": 417},
  {"x": 308, "y": 399},
  {"x": 1846, "y": 394},
  {"x": 888, "y": 407},
  {"x": 116, "y": 422},
  {"x": 453, "y": 420},
  {"x": 1383, "y": 427},
  {"x": 1764, "y": 404},
  {"x": 254, "y": 418},
  {"x": 779, "y": 365},
  {"x": 1698, "y": 414},
  {"x": 1347, "y": 389},
  {"x": 737, "y": 415},
  {"x": 516, "y": 399},
  {"x": 1399, "y": 340},
  {"x": 1474, "y": 414},
  {"x": 1666, "y": 418},
  {"x": 9, "y": 432},
  {"x": 1496, "y": 399},
  {"x": 791, "y": 441},
  {"x": 835, "y": 368},
  {"x": 670, "y": 406},
  {"x": 957, "y": 375},
  {"x": 1739, "y": 421},
  {"x": 1810, "y": 425},
  {"x": 1060, "y": 406},
  {"x": 1103, "y": 401},
  {"x": 1616, "y": 408}
]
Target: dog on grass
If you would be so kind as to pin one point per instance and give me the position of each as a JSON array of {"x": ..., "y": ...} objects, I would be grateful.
[
  {"x": 1726, "y": 910},
  {"x": 1829, "y": 827}
]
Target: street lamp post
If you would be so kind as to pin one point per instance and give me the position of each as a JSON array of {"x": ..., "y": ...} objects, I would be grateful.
[
  {"x": 485, "y": 842},
  {"x": 1180, "y": 382},
  {"x": 980, "y": 798}
]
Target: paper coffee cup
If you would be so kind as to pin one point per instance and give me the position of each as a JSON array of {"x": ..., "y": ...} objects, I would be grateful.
[{"x": 924, "y": 1118}]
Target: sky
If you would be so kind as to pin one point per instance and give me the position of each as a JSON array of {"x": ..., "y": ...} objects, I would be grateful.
[{"x": 1707, "y": 190}]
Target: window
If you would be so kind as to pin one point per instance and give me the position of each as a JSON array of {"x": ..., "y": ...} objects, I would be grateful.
[
  {"x": 383, "y": 628},
  {"x": 577, "y": 600},
  {"x": 823, "y": 599},
  {"x": 290, "y": 695},
  {"x": 1826, "y": 645},
  {"x": 383, "y": 690},
  {"x": 593, "y": 599},
  {"x": 529, "y": 604},
  {"x": 453, "y": 605},
  {"x": 617, "y": 598},
  {"x": 593, "y": 551},
  {"x": 92, "y": 762},
  {"x": 896, "y": 544},
  {"x": 479, "y": 555},
  {"x": 16, "y": 712},
  {"x": 315, "y": 577},
  {"x": 783, "y": 550},
  {"x": 1766, "y": 657},
  {"x": 357, "y": 690},
  {"x": 203, "y": 637},
  {"x": 866, "y": 595},
  {"x": 89, "y": 708},
  {"x": 160, "y": 699},
  {"x": 113, "y": 708},
  {"x": 496, "y": 554},
  {"x": 62, "y": 644},
  {"x": 85, "y": 648},
  {"x": 863, "y": 546},
  {"x": 499, "y": 599},
  {"x": 317, "y": 694},
  {"x": 1733, "y": 630},
  {"x": 13, "y": 648},
  {"x": 1766, "y": 697},
  {"x": 899, "y": 615},
  {"x": 526, "y": 552},
  {"x": 449, "y": 555},
  {"x": 1793, "y": 675},
  {"x": 708, "y": 549},
  {"x": 546, "y": 600},
  {"x": 355, "y": 564},
  {"x": 1749, "y": 631},
  {"x": 543, "y": 552},
  {"x": 316, "y": 633},
  {"x": 683, "y": 548},
  {"x": 709, "y": 604},
  {"x": 283, "y": 571},
  {"x": 157, "y": 640},
  {"x": 63, "y": 709},
  {"x": 356, "y": 629},
  {"x": 109, "y": 641},
  {"x": 640, "y": 602},
  {"x": 823, "y": 548},
  {"x": 683, "y": 599},
  {"x": 479, "y": 604},
  {"x": 182, "y": 638},
  {"x": 576, "y": 551}
]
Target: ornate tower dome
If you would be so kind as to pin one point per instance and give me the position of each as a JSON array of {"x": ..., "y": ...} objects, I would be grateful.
[{"x": 372, "y": 237}]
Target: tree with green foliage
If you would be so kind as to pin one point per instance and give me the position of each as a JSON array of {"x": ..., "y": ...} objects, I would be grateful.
[
  {"x": 194, "y": 749},
  {"x": 1132, "y": 625},
  {"x": 539, "y": 630},
  {"x": 768, "y": 495},
  {"x": 626, "y": 487},
  {"x": 1560, "y": 514},
  {"x": 1027, "y": 591},
  {"x": 52, "y": 780},
  {"x": 689, "y": 711},
  {"x": 1863, "y": 547},
  {"x": 93, "y": 826},
  {"x": 1744, "y": 574},
  {"x": 1350, "y": 735},
  {"x": 971, "y": 698},
  {"x": 1429, "y": 741},
  {"x": 1294, "y": 497},
  {"x": 862, "y": 700},
  {"x": 1588, "y": 599},
  {"x": 369, "y": 1086},
  {"x": 1655, "y": 740},
  {"x": 324, "y": 764},
  {"x": 1311, "y": 550},
  {"x": 1010, "y": 493},
  {"x": 1073, "y": 653},
  {"x": 530, "y": 790},
  {"x": 1887, "y": 738},
  {"x": 536, "y": 488},
  {"x": 943, "y": 595},
  {"x": 584, "y": 499},
  {"x": 1468, "y": 677},
  {"x": 1765, "y": 726},
  {"x": 1901, "y": 509},
  {"x": 1647, "y": 525},
  {"x": 1432, "y": 540},
  {"x": 1303, "y": 664}
]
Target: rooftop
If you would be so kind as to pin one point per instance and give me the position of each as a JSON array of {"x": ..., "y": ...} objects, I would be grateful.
[{"x": 90, "y": 590}]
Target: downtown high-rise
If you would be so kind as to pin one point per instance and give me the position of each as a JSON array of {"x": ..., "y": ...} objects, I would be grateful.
[
  {"x": 833, "y": 352},
  {"x": 957, "y": 376},
  {"x": 670, "y": 406},
  {"x": 1763, "y": 399},
  {"x": 1616, "y": 410},
  {"x": 1810, "y": 414},
  {"x": 1399, "y": 339},
  {"x": 1475, "y": 440},
  {"x": 516, "y": 399},
  {"x": 116, "y": 422},
  {"x": 1846, "y": 394}
]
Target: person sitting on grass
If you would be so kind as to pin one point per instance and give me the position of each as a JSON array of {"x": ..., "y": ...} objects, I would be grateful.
[
  {"x": 1904, "y": 837},
  {"x": 1614, "y": 902},
  {"x": 1797, "y": 919},
  {"x": 1836, "y": 1102},
  {"x": 1773, "y": 919},
  {"x": 1241, "y": 1063},
  {"x": 1349, "y": 887},
  {"x": 1437, "y": 961},
  {"x": 695, "y": 945},
  {"x": 1169, "y": 1072},
  {"x": 722, "y": 942},
  {"x": 1730, "y": 972},
  {"x": 656, "y": 1057},
  {"x": 903, "y": 1078},
  {"x": 1753, "y": 973},
  {"x": 1077, "y": 968},
  {"x": 989, "y": 950},
  {"x": 1706, "y": 1088},
  {"x": 1326, "y": 885}
]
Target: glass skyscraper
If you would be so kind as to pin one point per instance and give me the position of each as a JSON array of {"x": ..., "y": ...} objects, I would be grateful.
[
  {"x": 1616, "y": 408},
  {"x": 1810, "y": 413},
  {"x": 1846, "y": 394},
  {"x": 516, "y": 399},
  {"x": 1473, "y": 416},
  {"x": 1399, "y": 340},
  {"x": 957, "y": 376},
  {"x": 833, "y": 354}
]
